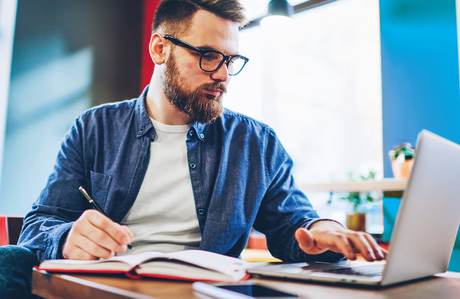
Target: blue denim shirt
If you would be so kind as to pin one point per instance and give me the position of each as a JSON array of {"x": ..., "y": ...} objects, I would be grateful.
[{"x": 240, "y": 174}]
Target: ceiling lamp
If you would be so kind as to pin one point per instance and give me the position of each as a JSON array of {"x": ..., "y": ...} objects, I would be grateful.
[{"x": 278, "y": 15}]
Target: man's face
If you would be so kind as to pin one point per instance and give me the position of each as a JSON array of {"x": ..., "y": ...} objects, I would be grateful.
[
  {"x": 198, "y": 104},
  {"x": 190, "y": 89}
]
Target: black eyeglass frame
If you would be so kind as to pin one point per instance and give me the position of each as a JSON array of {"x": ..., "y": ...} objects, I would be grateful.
[{"x": 226, "y": 58}]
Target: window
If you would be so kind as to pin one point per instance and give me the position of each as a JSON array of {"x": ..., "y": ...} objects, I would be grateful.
[{"x": 319, "y": 86}]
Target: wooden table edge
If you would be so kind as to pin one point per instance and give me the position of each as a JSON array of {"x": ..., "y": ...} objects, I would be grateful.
[
  {"x": 62, "y": 283},
  {"x": 97, "y": 290}
]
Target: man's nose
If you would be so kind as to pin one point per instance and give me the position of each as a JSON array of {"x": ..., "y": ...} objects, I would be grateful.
[{"x": 221, "y": 74}]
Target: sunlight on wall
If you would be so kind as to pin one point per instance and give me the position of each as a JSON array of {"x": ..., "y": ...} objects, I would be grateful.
[{"x": 319, "y": 87}]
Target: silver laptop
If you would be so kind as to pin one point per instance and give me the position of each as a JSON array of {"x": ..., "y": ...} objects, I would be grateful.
[{"x": 424, "y": 233}]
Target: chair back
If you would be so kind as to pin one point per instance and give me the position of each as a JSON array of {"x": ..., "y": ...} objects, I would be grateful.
[{"x": 10, "y": 228}]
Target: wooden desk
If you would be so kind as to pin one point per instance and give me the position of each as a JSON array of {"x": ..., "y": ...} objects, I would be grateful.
[{"x": 446, "y": 286}]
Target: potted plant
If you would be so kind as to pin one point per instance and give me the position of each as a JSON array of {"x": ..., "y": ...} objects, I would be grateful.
[
  {"x": 402, "y": 160},
  {"x": 356, "y": 220}
]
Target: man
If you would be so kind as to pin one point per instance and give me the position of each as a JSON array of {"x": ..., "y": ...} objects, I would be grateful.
[{"x": 174, "y": 170}]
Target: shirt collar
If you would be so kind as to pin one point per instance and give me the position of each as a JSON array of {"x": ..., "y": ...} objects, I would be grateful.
[
  {"x": 200, "y": 130},
  {"x": 144, "y": 124}
]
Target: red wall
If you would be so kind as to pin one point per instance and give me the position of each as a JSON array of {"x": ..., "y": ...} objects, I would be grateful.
[{"x": 147, "y": 65}]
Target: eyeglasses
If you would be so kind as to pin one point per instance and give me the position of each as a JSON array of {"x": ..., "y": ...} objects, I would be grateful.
[{"x": 211, "y": 60}]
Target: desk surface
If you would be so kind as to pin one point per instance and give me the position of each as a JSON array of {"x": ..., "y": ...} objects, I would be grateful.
[{"x": 48, "y": 285}]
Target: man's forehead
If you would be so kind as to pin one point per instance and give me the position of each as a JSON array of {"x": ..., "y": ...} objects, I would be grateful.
[{"x": 209, "y": 30}]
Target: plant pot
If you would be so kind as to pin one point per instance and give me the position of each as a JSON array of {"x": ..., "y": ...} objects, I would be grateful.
[
  {"x": 356, "y": 221},
  {"x": 402, "y": 170}
]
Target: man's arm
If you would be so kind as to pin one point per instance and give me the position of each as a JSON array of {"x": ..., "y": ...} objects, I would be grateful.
[
  {"x": 284, "y": 207},
  {"x": 293, "y": 229},
  {"x": 326, "y": 235},
  {"x": 58, "y": 218}
]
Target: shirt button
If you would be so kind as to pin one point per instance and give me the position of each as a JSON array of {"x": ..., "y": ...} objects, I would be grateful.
[
  {"x": 139, "y": 132},
  {"x": 200, "y": 211},
  {"x": 190, "y": 133},
  {"x": 192, "y": 165},
  {"x": 201, "y": 136}
]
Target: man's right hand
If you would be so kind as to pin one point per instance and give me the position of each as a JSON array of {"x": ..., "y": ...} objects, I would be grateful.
[{"x": 95, "y": 236}]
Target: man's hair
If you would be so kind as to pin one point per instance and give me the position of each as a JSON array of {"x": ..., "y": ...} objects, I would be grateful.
[{"x": 174, "y": 16}]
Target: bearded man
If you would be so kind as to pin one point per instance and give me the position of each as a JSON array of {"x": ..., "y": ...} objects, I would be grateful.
[{"x": 173, "y": 169}]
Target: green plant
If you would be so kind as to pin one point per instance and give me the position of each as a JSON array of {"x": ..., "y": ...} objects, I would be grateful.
[
  {"x": 405, "y": 149},
  {"x": 358, "y": 200}
]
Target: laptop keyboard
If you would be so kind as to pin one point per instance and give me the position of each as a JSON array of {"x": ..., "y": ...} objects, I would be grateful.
[{"x": 367, "y": 270}]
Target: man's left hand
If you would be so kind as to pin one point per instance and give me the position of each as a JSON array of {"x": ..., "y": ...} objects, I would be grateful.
[{"x": 326, "y": 235}]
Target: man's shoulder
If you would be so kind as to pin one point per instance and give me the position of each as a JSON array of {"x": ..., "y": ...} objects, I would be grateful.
[
  {"x": 113, "y": 107},
  {"x": 117, "y": 115},
  {"x": 229, "y": 117}
]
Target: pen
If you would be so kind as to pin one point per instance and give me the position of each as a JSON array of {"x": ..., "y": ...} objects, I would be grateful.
[{"x": 95, "y": 205}]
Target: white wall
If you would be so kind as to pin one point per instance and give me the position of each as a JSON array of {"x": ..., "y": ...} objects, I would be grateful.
[{"x": 319, "y": 86}]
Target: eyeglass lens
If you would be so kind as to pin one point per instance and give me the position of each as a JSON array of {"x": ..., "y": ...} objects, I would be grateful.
[{"x": 211, "y": 61}]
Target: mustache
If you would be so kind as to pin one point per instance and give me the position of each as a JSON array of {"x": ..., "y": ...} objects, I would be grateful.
[{"x": 218, "y": 85}]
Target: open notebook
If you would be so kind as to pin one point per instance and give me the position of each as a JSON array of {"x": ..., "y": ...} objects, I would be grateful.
[
  {"x": 425, "y": 229},
  {"x": 194, "y": 265}
]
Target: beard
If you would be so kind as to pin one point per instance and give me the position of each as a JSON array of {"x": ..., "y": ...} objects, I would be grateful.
[{"x": 200, "y": 107}]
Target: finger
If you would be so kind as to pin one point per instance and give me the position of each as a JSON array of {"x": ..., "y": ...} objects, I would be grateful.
[
  {"x": 385, "y": 253},
  {"x": 85, "y": 226},
  {"x": 112, "y": 229},
  {"x": 361, "y": 243},
  {"x": 343, "y": 246},
  {"x": 129, "y": 232},
  {"x": 102, "y": 239},
  {"x": 70, "y": 251},
  {"x": 378, "y": 252},
  {"x": 76, "y": 253},
  {"x": 87, "y": 249},
  {"x": 307, "y": 242},
  {"x": 75, "y": 244}
]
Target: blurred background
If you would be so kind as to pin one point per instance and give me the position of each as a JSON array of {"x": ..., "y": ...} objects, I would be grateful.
[{"x": 343, "y": 84}]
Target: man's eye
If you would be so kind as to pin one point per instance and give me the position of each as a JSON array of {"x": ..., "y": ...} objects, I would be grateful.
[{"x": 210, "y": 56}]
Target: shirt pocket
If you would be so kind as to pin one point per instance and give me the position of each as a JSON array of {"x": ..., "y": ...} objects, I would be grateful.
[{"x": 100, "y": 184}]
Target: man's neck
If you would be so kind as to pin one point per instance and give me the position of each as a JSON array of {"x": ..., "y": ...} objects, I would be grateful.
[{"x": 161, "y": 110}]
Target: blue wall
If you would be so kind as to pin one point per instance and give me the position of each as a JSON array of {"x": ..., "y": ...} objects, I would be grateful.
[
  {"x": 67, "y": 57},
  {"x": 420, "y": 73}
]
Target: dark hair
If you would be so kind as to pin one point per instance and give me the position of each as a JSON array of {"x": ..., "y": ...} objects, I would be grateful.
[{"x": 174, "y": 16}]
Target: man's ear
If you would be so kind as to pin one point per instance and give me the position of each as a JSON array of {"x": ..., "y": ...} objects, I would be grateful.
[{"x": 157, "y": 49}]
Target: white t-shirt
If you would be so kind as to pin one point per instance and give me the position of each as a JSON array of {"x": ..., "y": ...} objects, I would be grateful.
[{"x": 163, "y": 217}]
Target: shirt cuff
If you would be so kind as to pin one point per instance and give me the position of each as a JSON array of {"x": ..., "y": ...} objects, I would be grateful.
[
  {"x": 321, "y": 219},
  {"x": 56, "y": 241}
]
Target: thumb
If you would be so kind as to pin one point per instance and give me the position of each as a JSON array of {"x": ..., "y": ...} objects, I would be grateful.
[
  {"x": 307, "y": 242},
  {"x": 126, "y": 229}
]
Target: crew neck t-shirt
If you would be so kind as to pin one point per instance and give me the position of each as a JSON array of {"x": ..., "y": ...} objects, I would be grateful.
[{"x": 163, "y": 217}]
